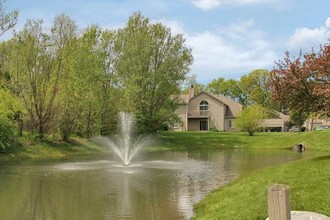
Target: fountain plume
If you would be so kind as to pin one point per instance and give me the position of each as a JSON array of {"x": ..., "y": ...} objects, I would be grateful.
[{"x": 125, "y": 147}]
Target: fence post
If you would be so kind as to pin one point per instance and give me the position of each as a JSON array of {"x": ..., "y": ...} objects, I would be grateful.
[{"x": 279, "y": 202}]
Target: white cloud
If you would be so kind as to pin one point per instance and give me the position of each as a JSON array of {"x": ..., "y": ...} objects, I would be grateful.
[
  {"x": 176, "y": 26},
  {"x": 211, "y": 4},
  {"x": 305, "y": 38},
  {"x": 235, "y": 51},
  {"x": 206, "y": 4}
]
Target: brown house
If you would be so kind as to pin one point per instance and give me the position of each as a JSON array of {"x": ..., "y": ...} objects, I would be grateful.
[{"x": 204, "y": 111}]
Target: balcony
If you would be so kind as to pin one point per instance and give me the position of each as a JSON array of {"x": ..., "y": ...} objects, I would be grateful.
[{"x": 199, "y": 114}]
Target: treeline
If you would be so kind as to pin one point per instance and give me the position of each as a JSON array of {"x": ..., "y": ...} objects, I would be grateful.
[
  {"x": 250, "y": 89},
  {"x": 63, "y": 81}
]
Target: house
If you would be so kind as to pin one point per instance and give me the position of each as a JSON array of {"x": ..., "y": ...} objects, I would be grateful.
[
  {"x": 317, "y": 124},
  {"x": 205, "y": 111}
]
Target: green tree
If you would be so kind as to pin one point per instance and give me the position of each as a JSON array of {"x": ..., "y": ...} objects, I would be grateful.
[
  {"x": 7, "y": 19},
  {"x": 38, "y": 70},
  {"x": 7, "y": 134},
  {"x": 298, "y": 118},
  {"x": 230, "y": 88},
  {"x": 151, "y": 65},
  {"x": 250, "y": 118},
  {"x": 255, "y": 87}
]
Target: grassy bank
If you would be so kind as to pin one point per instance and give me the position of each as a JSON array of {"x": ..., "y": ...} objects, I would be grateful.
[
  {"x": 316, "y": 140},
  {"x": 27, "y": 149},
  {"x": 246, "y": 198},
  {"x": 309, "y": 182}
]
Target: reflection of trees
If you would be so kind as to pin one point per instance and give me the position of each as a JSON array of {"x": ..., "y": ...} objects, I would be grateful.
[{"x": 141, "y": 193}]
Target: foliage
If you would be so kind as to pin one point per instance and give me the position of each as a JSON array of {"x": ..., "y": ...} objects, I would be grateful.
[
  {"x": 250, "y": 89},
  {"x": 190, "y": 80},
  {"x": 250, "y": 118},
  {"x": 303, "y": 83},
  {"x": 7, "y": 19},
  {"x": 58, "y": 81},
  {"x": 38, "y": 70},
  {"x": 7, "y": 133},
  {"x": 298, "y": 118},
  {"x": 230, "y": 88},
  {"x": 151, "y": 65}
]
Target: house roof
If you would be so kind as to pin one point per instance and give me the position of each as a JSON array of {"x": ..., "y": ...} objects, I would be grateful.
[
  {"x": 208, "y": 94},
  {"x": 283, "y": 116},
  {"x": 273, "y": 122},
  {"x": 233, "y": 107},
  {"x": 183, "y": 99}
]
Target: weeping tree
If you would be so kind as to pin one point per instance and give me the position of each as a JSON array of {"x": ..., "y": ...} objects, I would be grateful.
[{"x": 150, "y": 65}]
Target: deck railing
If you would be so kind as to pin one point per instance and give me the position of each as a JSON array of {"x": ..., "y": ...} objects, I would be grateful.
[{"x": 199, "y": 113}]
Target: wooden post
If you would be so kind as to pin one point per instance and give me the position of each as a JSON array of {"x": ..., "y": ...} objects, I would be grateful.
[{"x": 279, "y": 202}]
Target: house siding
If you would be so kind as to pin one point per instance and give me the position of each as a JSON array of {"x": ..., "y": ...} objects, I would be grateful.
[
  {"x": 221, "y": 112},
  {"x": 215, "y": 117}
]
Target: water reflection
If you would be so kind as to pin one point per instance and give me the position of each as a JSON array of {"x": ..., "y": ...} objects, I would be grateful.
[{"x": 161, "y": 186}]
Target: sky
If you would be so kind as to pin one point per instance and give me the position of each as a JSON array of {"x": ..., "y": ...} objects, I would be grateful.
[{"x": 229, "y": 38}]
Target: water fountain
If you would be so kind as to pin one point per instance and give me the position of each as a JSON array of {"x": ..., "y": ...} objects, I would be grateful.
[{"x": 124, "y": 146}]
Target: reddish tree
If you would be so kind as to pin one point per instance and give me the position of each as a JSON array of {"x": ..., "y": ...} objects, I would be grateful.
[{"x": 303, "y": 84}]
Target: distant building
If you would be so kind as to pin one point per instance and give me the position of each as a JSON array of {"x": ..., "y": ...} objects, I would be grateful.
[
  {"x": 317, "y": 124},
  {"x": 204, "y": 111}
]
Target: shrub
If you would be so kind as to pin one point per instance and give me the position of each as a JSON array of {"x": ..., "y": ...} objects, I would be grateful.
[
  {"x": 249, "y": 119},
  {"x": 7, "y": 133}
]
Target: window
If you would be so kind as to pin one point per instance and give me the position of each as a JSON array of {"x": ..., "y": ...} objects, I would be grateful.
[
  {"x": 230, "y": 123},
  {"x": 203, "y": 108},
  {"x": 203, "y": 125}
]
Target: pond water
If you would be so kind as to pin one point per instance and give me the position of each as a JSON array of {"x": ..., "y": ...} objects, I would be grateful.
[{"x": 162, "y": 185}]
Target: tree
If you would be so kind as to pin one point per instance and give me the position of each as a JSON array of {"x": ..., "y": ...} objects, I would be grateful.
[
  {"x": 38, "y": 70},
  {"x": 7, "y": 19},
  {"x": 298, "y": 118},
  {"x": 190, "y": 80},
  {"x": 303, "y": 84},
  {"x": 150, "y": 66},
  {"x": 250, "y": 118},
  {"x": 7, "y": 134},
  {"x": 230, "y": 88}
]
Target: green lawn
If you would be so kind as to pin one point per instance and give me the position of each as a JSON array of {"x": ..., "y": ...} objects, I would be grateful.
[
  {"x": 316, "y": 140},
  {"x": 246, "y": 198}
]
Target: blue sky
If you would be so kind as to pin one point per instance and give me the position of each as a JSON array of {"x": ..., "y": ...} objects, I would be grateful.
[{"x": 229, "y": 38}]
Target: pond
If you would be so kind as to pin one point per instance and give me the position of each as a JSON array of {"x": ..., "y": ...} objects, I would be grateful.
[{"x": 158, "y": 185}]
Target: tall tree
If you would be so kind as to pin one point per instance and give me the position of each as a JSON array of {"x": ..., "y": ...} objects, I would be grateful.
[
  {"x": 303, "y": 84},
  {"x": 151, "y": 65},
  {"x": 39, "y": 69},
  {"x": 230, "y": 88}
]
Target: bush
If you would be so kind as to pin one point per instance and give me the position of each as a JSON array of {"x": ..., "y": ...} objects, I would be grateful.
[
  {"x": 7, "y": 133},
  {"x": 249, "y": 119}
]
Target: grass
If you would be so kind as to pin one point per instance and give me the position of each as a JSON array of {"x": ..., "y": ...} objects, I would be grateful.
[
  {"x": 35, "y": 150},
  {"x": 309, "y": 182},
  {"x": 246, "y": 198},
  {"x": 316, "y": 140}
]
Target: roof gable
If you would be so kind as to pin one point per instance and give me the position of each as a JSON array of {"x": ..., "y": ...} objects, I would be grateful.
[{"x": 209, "y": 95}]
